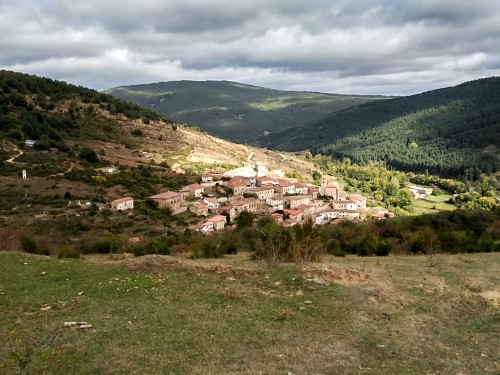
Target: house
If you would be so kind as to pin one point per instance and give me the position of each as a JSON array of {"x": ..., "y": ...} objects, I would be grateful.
[
  {"x": 29, "y": 142},
  {"x": 261, "y": 169},
  {"x": 195, "y": 190},
  {"x": 218, "y": 222},
  {"x": 301, "y": 188},
  {"x": 207, "y": 177},
  {"x": 297, "y": 200},
  {"x": 243, "y": 172},
  {"x": 212, "y": 203},
  {"x": 205, "y": 227},
  {"x": 264, "y": 192},
  {"x": 276, "y": 203},
  {"x": 347, "y": 214},
  {"x": 313, "y": 191},
  {"x": 109, "y": 169},
  {"x": 344, "y": 205},
  {"x": 122, "y": 204},
  {"x": 222, "y": 200},
  {"x": 341, "y": 195},
  {"x": 285, "y": 188},
  {"x": 242, "y": 180},
  {"x": 317, "y": 219},
  {"x": 295, "y": 215},
  {"x": 324, "y": 217},
  {"x": 419, "y": 192},
  {"x": 262, "y": 181},
  {"x": 277, "y": 217},
  {"x": 229, "y": 211},
  {"x": 306, "y": 209},
  {"x": 184, "y": 192},
  {"x": 168, "y": 199},
  {"x": 199, "y": 209},
  {"x": 380, "y": 210},
  {"x": 238, "y": 187},
  {"x": 359, "y": 199},
  {"x": 245, "y": 204},
  {"x": 289, "y": 223},
  {"x": 328, "y": 189}
]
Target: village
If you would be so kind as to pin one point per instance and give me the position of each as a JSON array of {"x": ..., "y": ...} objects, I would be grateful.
[{"x": 220, "y": 197}]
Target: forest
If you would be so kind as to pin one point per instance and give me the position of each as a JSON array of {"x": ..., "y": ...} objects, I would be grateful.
[{"x": 451, "y": 132}]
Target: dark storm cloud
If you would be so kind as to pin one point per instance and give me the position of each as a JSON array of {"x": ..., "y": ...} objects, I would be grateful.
[{"x": 363, "y": 46}]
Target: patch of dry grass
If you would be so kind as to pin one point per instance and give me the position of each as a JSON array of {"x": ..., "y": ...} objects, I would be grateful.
[{"x": 160, "y": 314}]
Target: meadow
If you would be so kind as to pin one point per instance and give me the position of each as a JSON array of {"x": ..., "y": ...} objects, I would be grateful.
[{"x": 173, "y": 315}]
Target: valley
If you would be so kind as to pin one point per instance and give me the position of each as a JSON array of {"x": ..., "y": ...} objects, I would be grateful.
[{"x": 121, "y": 224}]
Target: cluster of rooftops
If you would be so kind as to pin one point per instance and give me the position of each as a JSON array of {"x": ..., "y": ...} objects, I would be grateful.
[{"x": 288, "y": 201}]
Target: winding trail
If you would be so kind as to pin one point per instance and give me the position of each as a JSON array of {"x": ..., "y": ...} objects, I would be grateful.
[{"x": 11, "y": 160}]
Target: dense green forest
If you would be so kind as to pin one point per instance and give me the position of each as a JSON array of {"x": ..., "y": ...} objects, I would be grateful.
[
  {"x": 46, "y": 110},
  {"x": 236, "y": 111},
  {"x": 452, "y": 132}
]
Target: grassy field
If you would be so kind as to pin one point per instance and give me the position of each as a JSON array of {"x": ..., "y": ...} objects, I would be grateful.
[
  {"x": 166, "y": 315},
  {"x": 433, "y": 204}
]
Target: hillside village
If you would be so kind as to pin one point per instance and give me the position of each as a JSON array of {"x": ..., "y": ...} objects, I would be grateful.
[{"x": 220, "y": 197}]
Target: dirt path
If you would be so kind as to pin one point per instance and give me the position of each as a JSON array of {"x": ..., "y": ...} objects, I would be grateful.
[
  {"x": 63, "y": 173},
  {"x": 11, "y": 160}
]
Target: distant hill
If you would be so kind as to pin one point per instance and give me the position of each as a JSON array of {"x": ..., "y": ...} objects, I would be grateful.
[
  {"x": 451, "y": 131},
  {"x": 57, "y": 115},
  {"x": 236, "y": 111}
]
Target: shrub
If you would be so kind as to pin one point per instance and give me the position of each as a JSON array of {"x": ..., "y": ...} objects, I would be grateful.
[
  {"x": 68, "y": 252},
  {"x": 230, "y": 248},
  {"x": 28, "y": 245},
  {"x": 102, "y": 247},
  {"x": 159, "y": 246},
  {"x": 335, "y": 249},
  {"x": 137, "y": 132}
]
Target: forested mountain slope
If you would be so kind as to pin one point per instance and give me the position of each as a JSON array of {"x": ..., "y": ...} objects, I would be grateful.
[
  {"x": 452, "y": 131},
  {"x": 49, "y": 111},
  {"x": 236, "y": 111}
]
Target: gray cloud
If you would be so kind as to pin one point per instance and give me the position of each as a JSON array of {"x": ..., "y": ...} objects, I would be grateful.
[{"x": 344, "y": 46}]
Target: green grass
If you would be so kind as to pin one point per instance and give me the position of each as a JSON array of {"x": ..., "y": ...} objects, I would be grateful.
[
  {"x": 162, "y": 315},
  {"x": 432, "y": 204}
]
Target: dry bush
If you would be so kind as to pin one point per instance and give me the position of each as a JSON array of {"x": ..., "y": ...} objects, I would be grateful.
[{"x": 9, "y": 239}]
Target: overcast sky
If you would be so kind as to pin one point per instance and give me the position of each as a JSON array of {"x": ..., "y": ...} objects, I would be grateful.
[{"x": 391, "y": 47}]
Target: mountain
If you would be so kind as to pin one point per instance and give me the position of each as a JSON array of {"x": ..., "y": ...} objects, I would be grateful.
[
  {"x": 452, "y": 131},
  {"x": 74, "y": 130},
  {"x": 233, "y": 110}
]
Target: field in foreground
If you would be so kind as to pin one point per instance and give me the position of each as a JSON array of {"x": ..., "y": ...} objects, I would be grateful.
[{"x": 164, "y": 315}]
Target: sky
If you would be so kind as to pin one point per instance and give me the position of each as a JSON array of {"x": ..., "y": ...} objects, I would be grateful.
[{"x": 386, "y": 47}]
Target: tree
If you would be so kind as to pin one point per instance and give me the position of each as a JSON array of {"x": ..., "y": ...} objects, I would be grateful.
[
  {"x": 307, "y": 244},
  {"x": 273, "y": 245},
  {"x": 244, "y": 220},
  {"x": 88, "y": 155}
]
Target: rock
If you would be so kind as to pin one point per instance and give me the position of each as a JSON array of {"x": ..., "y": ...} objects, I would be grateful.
[
  {"x": 308, "y": 302},
  {"x": 81, "y": 325}
]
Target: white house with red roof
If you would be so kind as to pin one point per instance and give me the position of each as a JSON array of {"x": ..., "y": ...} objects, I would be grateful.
[
  {"x": 122, "y": 204},
  {"x": 218, "y": 221}
]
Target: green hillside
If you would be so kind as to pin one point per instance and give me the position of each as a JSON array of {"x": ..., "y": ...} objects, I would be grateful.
[
  {"x": 48, "y": 111},
  {"x": 233, "y": 110},
  {"x": 452, "y": 131}
]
